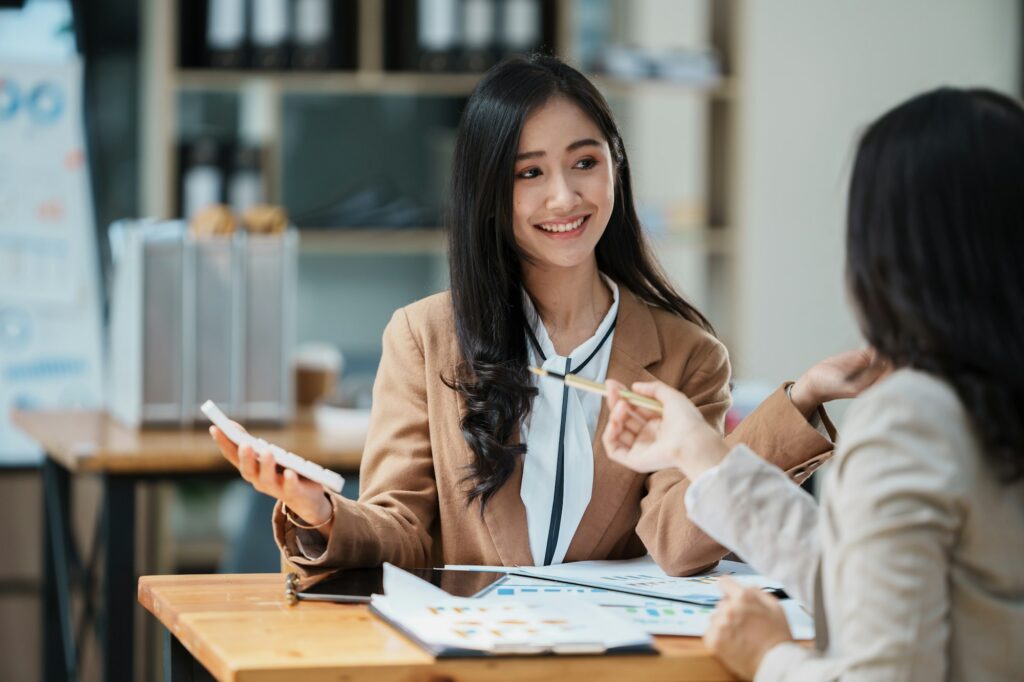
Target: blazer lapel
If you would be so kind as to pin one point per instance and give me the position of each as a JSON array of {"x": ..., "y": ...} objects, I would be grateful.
[
  {"x": 635, "y": 347},
  {"x": 505, "y": 516}
]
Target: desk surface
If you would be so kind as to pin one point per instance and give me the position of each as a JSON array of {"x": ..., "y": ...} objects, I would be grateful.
[
  {"x": 240, "y": 628},
  {"x": 94, "y": 441}
]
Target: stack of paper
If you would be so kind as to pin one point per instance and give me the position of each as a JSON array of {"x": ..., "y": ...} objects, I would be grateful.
[
  {"x": 644, "y": 577},
  {"x": 451, "y": 626},
  {"x": 638, "y": 590}
]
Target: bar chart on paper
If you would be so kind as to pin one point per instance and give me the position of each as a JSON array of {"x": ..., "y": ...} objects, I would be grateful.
[
  {"x": 518, "y": 586},
  {"x": 644, "y": 577},
  {"x": 676, "y": 619},
  {"x": 691, "y": 620}
]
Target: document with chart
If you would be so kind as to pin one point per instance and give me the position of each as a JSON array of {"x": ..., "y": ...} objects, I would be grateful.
[
  {"x": 459, "y": 627},
  {"x": 644, "y": 577},
  {"x": 638, "y": 591}
]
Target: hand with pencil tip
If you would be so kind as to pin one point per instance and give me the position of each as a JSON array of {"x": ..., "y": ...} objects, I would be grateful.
[
  {"x": 302, "y": 497},
  {"x": 746, "y": 624},
  {"x": 645, "y": 441}
]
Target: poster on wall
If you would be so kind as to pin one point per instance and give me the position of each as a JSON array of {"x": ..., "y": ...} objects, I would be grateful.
[{"x": 50, "y": 334}]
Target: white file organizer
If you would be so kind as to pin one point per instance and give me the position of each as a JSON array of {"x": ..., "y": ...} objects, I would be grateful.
[{"x": 198, "y": 318}]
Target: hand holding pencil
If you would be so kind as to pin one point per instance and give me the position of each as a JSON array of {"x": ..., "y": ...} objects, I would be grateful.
[
  {"x": 600, "y": 389},
  {"x": 657, "y": 427}
]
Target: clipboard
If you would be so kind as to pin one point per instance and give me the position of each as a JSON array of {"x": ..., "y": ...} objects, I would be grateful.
[{"x": 358, "y": 585}]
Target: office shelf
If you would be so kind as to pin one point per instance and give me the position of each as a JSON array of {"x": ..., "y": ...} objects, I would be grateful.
[
  {"x": 410, "y": 83},
  {"x": 372, "y": 240},
  {"x": 427, "y": 240},
  {"x": 263, "y": 93}
]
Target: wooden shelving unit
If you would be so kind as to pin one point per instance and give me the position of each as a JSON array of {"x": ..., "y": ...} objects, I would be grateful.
[
  {"x": 373, "y": 240},
  {"x": 381, "y": 240},
  {"x": 407, "y": 83},
  {"x": 264, "y": 92}
]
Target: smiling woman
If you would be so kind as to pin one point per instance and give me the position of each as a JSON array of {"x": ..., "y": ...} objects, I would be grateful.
[
  {"x": 470, "y": 459},
  {"x": 564, "y": 191}
]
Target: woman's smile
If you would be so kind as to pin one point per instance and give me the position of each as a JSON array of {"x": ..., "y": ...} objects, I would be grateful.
[{"x": 565, "y": 228}]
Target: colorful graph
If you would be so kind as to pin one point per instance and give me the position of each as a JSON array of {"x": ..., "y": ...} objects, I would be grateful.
[{"x": 679, "y": 619}]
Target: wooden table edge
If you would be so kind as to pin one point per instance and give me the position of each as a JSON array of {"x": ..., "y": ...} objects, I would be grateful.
[
  {"x": 164, "y": 460},
  {"x": 454, "y": 669}
]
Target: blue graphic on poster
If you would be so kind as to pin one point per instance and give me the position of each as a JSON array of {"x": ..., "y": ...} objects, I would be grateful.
[
  {"x": 50, "y": 335},
  {"x": 9, "y": 100}
]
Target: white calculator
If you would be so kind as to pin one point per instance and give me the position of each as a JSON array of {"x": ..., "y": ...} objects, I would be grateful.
[{"x": 311, "y": 470}]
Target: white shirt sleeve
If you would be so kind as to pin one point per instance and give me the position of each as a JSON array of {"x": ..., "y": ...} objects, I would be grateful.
[
  {"x": 752, "y": 507},
  {"x": 310, "y": 543},
  {"x": 781, "y": 659}
]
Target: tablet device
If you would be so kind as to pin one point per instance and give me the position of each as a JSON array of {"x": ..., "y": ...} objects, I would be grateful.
[{"x": 356, "y": 585}]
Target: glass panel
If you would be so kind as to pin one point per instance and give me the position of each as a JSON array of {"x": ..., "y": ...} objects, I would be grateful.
[{"x": 367, "y": 161}]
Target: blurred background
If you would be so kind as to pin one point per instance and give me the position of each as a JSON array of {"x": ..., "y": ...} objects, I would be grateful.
[{"x": 123, "y": 121}]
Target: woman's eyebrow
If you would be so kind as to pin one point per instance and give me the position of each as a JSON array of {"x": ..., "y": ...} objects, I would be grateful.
[{"x": 586, "y": 142}]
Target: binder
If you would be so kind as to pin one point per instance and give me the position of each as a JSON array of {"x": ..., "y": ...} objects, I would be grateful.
[
  {"x": 521, "y": 25},
  {"x": 270, "y": 34},
  {"x": 245, "y": 184},
  {"x": 437, "y": 30},
  {"x": 479, "y": 33},
  {"x": 313, "y": 34},
  {"x": 225, "y": 34},
  {"x": 202, "y": 177}
]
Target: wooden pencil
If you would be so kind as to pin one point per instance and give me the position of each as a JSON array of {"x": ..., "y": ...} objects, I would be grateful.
[{"x": 601, "y": 389}]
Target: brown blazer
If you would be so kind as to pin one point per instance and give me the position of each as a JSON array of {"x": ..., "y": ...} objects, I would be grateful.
[{"x": 412, "y": 508}]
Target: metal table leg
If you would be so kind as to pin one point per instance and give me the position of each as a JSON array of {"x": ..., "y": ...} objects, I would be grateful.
[
  {"x": 59, "y": 651},
  {"x": 116, "y": 627},
  {"x": 179, "y": 665}
]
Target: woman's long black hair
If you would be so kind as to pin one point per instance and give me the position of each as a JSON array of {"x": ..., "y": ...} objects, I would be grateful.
[
  {"x": 935, "y": 253},
  {"x": 486, "y": 276}
]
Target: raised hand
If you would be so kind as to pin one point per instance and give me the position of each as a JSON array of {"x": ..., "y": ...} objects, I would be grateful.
[{"x": 840, "y": 376}]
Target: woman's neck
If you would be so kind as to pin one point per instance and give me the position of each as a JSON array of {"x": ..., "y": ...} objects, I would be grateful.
[{"x": 571, "y": 303}]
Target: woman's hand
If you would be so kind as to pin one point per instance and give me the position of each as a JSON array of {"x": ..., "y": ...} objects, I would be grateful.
[
  {"x": 302, "y": 496},
  {"x": 747, "y": 623},
  {"x": 840, "y": 376},
  {"x": 645, "y": 441}
]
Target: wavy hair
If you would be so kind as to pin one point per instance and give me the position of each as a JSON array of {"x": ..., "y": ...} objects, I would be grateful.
[
  {"x": 934, "y": 247},
  {"x": 485, "y": 261}
]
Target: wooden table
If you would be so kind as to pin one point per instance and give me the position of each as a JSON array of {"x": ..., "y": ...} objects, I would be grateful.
[
  {"x": 240, "y": 629},
  {"x": 94, "y": 443}
]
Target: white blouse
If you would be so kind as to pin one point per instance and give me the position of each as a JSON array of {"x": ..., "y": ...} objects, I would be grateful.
[{"x": 566, "y": 419}]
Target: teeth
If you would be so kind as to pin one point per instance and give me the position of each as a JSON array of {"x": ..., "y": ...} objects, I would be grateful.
[{"x": 564, "y": 227}]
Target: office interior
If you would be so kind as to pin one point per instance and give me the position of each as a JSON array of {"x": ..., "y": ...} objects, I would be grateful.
[{"x": 740, "y": 117}]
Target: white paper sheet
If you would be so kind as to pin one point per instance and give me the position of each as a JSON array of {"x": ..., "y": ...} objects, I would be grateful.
[
  {"x": 656, "y": 616},
  {"x": 644, "y": 577},
  {"x": 691, "y": 620}
]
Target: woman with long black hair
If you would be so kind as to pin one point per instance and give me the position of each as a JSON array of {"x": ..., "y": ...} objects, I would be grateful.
[
  {"x": 914, "y": 564},
  {"x": 471, "y": 460}
]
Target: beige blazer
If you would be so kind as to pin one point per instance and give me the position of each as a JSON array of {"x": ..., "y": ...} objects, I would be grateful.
[
  {"x": 914, "y": 563},
  {"x": 412, "y": 508}
]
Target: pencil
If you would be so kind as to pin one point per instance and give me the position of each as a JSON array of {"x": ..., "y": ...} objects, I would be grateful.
[{"x": 601, "y": 389}]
